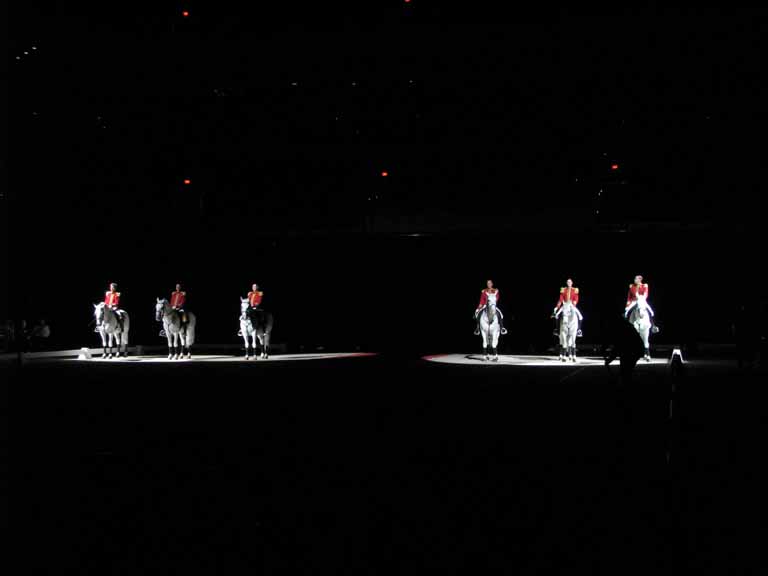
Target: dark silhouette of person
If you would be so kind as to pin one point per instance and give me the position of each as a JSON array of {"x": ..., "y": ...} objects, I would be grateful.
[{"x": 626, "y": 344}]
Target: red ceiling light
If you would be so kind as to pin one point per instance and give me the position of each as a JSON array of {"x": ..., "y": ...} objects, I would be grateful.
[
  {"x": 187, "y": 181},
  {"x": 614, "y": 166},
  {"x": 185, "y": 13},
  {"x": 385, "y": 173}
]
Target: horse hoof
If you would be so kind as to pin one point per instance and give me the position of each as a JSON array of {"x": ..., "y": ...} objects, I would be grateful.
[
  {"x": 495, "y": 358},
  {"x": 189, "y": 356}
]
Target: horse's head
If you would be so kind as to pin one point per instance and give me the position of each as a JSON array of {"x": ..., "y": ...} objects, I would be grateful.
[
  {"x": 568, "y": 310},
  {"x": 641, "y": 306},
  {"x": 98, "y": 313},
  {"x": 160, "y": 308},
  {"x": 244, "y": 306}
]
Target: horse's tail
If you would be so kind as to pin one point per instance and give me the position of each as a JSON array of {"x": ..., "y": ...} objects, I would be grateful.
[{"x": 190, "y": 328}]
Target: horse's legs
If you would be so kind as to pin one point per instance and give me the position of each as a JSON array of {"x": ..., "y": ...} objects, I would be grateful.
[
  {"x": 103, "y": 343},
  {"x": 183, "y": 338},
  {"x": 265, "y": 345},
  {"x": 169, "y": 337},
  {"x": 646, "y": 344},
  {"x": 124, "y": 339},
  {"x": 187, "y": 343},
  {"x": 246, "y": 342},
  {"x": 561, "y": 344}
]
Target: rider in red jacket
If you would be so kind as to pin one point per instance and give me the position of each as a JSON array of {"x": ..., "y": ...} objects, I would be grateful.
[
  {"x": 569, "y": 293},
  {"x": 112, "y": 300},
  {"x": 639, "y": 288},
  {"x": 178, "y": 299},
  {"x": 489, "y": 294}
]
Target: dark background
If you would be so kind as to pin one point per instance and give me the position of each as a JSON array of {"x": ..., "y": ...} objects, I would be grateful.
[
  {"x": 498, "y": 134},
  {"x": 498, "y": 131}
]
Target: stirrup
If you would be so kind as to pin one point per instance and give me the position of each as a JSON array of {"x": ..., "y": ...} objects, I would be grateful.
[
  {"x": 503, "y": 331},
  {"x": 163, "y": 334},
  {"x": 477, "y": 331},
  {"x": 578, "y": 334}
]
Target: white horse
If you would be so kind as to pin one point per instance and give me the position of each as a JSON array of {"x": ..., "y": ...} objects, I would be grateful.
[
  {"x": 569, "y": 327},
  {"x": 180, "y": 338},
  {"x": 490, "y": 330},
  {"x": 110, "y": 330},
  {"x": 639, "y": 314},
  {"x": 255, "y": 329}
]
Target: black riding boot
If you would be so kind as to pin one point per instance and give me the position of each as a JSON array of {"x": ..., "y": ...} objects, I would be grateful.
[{"x": 477, "y": 324}]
